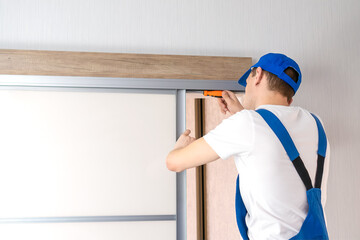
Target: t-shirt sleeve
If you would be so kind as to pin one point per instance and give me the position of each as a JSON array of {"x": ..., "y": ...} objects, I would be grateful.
[{"x": 234, "y": 135}]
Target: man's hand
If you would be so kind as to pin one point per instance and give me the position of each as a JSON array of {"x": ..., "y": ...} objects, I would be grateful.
[
  {"x": 184, "y": 140},
  {"x": 190, "y": 153},
  {"x": 229, "y": 103}
]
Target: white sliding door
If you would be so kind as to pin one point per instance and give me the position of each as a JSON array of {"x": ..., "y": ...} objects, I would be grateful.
[
  {"x": 86, "y": 153},
  {"x": 162, "y": 230}
]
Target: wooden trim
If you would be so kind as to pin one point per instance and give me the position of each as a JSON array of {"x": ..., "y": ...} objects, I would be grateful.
[
  {"x": 200, "y": 173},
  {"x": 97, "y": 64},
  {"x": 204, "y": 172}
]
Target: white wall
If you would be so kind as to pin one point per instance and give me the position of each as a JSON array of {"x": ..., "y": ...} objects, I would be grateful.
[{"x": 323, "y": 36}]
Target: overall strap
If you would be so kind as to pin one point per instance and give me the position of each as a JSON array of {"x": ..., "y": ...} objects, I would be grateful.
[
  {"x": 321, "y": 152},
  {"x": 288, "y": 144},
  {"x": 241, "y": 212}
]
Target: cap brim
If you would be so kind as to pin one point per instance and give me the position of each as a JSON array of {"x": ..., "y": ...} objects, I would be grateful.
[{"x": 242, "y": 80}]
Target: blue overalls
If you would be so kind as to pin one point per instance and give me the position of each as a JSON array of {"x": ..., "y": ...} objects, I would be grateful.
[{"x": 313, "y": 227}]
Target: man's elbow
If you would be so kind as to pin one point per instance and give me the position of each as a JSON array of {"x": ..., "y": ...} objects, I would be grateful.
[{"x": 173, "y": 165}]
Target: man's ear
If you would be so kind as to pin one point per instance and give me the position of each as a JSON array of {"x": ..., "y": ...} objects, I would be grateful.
[
  {"x": 259, "y": 75},
  {"x": 291, "y": 100}
]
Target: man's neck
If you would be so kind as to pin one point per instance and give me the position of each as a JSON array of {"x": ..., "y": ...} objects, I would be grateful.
[{"x": 272, "y": 99}]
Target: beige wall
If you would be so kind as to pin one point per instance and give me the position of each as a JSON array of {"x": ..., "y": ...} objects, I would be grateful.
[{"x": 323, "y": 36}]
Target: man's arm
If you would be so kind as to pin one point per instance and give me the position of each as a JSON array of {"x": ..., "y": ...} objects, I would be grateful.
[
  {"x": 195, "y": 154},
  {"x": 189, "y": 152}
]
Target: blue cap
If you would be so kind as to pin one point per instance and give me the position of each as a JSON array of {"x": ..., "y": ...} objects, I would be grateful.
[{"x": 276, "y": 63}]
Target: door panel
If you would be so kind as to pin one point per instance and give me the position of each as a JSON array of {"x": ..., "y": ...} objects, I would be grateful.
[
  {"x": 219, "y": 199},
  {"x": 67, "y": 153},
  {"x": 90, "y": 231}
]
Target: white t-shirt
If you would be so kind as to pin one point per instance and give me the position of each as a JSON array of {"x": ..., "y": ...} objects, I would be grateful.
[{"x": 272, "y": 191}]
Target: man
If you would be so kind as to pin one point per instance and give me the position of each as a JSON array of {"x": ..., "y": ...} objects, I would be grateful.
[{"x": 272, "y": 192}]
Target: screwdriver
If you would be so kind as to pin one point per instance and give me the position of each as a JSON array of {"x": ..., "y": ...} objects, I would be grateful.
[{"x": 217, "y": 93}]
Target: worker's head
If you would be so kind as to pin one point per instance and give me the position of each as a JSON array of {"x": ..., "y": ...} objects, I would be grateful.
[{"x": 274, "y": 76}]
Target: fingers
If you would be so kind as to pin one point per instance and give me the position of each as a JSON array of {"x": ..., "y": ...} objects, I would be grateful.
[
  {"x": 232, "y": 102},
  {"x": 222, "y": 104},
  {"x": 225, "y": 94},
  {"x": 188, "y": 138},
  {"x": 227, "y": 99},
  {"x": 229, "y": 95},
  {"x": 232, "y": 95},
  {"x": 187, "y": 132},
  {"x": 184, "y": 140}
]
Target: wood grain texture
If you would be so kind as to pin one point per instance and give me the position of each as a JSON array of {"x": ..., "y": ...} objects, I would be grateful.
[
  {"x": 220, "y": 185},
  {"x": 200, "y": 172},
  {"x": 96, "y": 64}
]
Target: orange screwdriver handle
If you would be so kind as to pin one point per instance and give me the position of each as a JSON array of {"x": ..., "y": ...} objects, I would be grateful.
[{"x": 217, "y": 94}]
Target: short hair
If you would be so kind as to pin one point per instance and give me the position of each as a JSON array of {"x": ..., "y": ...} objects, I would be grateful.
[{"x": 276, "y": 84}]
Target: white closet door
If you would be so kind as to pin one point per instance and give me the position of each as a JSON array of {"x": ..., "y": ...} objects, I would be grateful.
[
  {"x": 86, "y": 153},
  {"x": 90, "y": 231}
]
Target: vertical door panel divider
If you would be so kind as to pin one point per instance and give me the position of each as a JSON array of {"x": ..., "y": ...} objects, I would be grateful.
[{"x": 180, "y": 176}]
